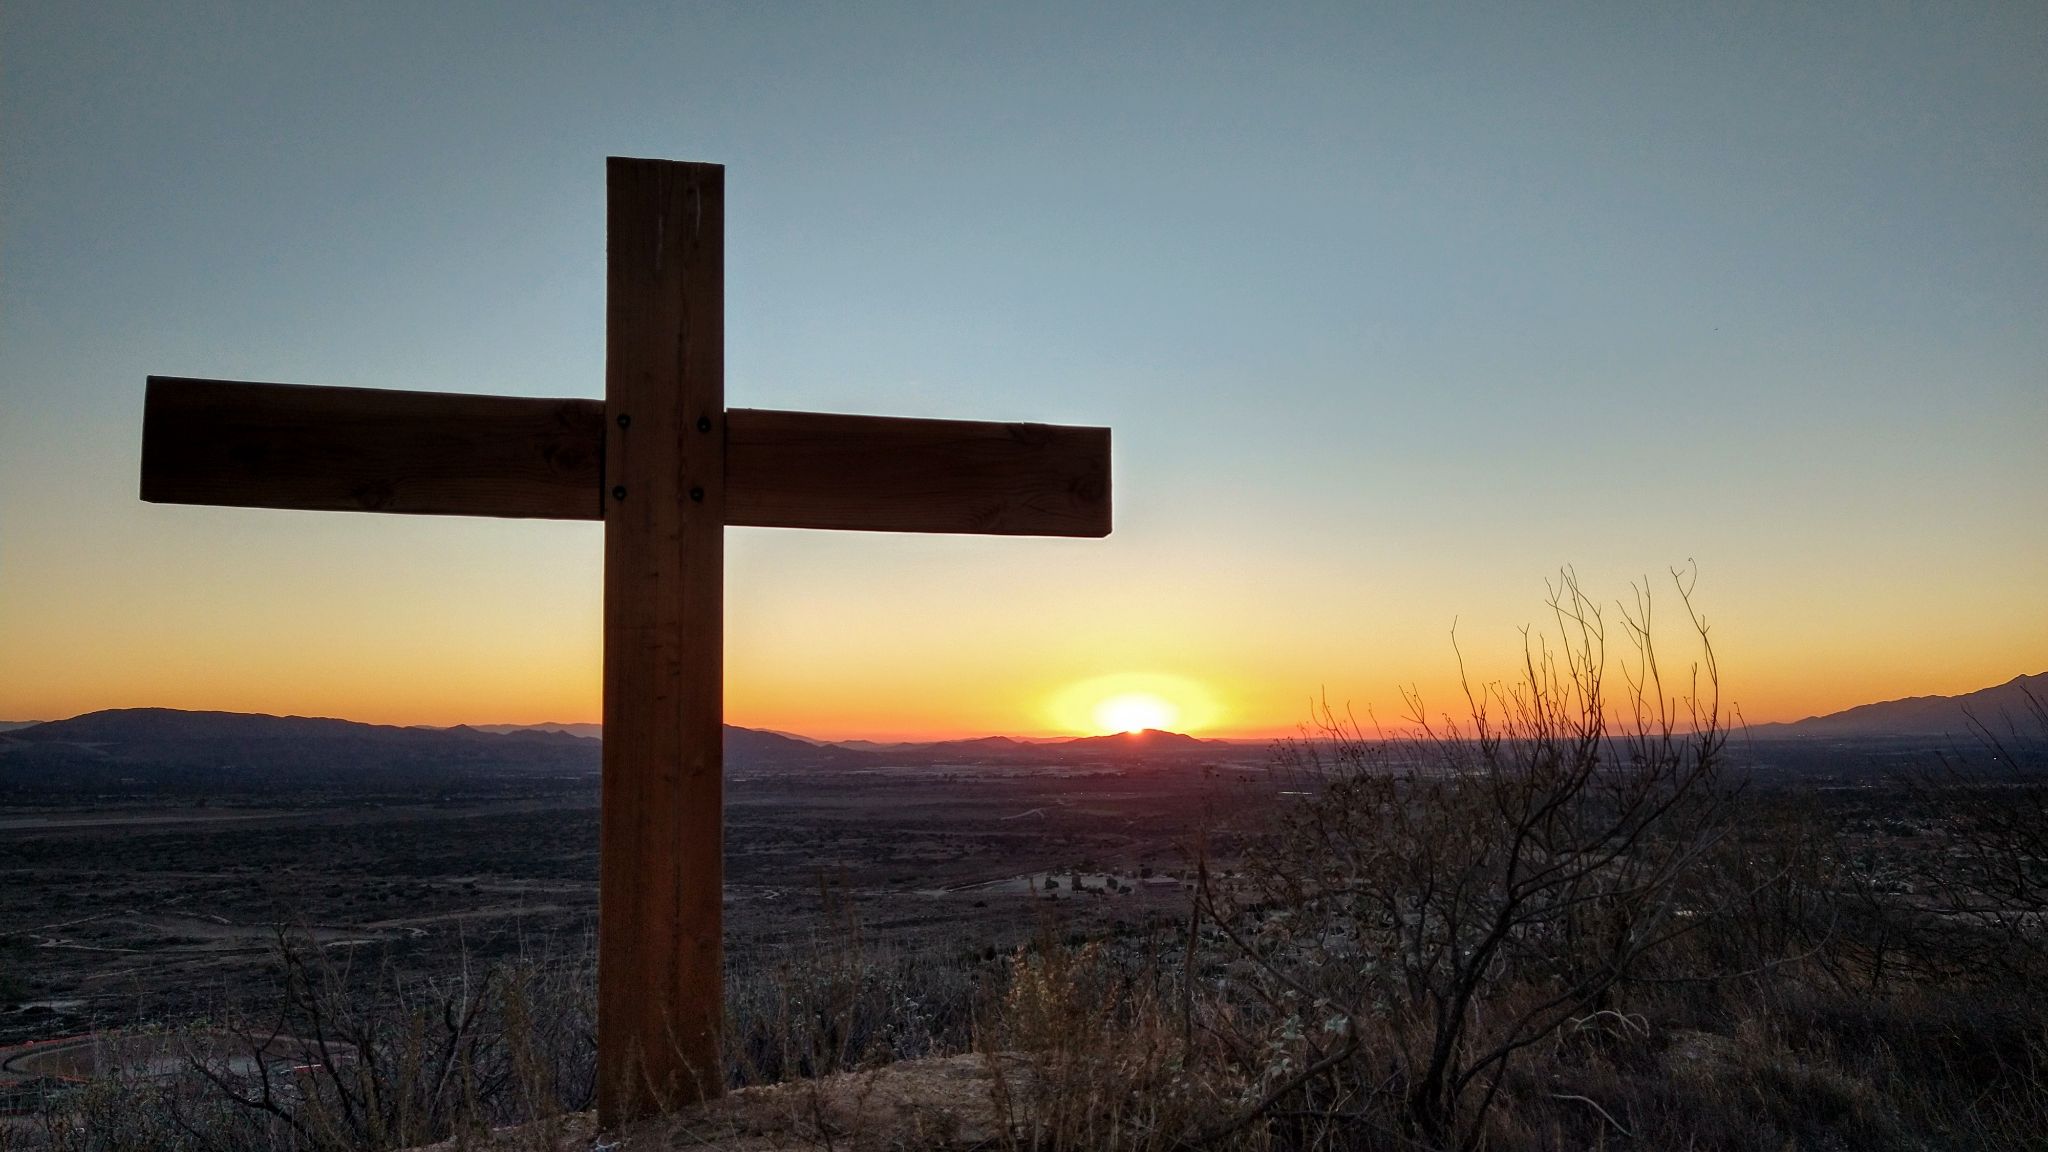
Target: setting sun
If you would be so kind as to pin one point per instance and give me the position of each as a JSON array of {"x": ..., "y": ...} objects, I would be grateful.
[
  {"x": 1135, "y": 712},
  {"x": 1132, "y": 702}
]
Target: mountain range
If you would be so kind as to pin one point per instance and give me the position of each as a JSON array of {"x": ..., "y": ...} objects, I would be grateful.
[
  {"x": 199, "y": 751},
  {"x": 178, "y": 750},
  {"x": 2016, "y": 708}
]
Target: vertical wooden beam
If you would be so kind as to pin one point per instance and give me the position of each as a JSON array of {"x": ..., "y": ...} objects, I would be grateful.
[{"x": 660, "y": 997}]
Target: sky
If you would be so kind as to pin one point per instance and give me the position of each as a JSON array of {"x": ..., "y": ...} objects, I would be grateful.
[{"x": 1395, "y": 312}]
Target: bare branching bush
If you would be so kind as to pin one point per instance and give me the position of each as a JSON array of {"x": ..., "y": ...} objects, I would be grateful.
[
  {"x": 1451, "y": 896},
  {"x": 128, "y": 1107},
  {"x": 391, "y": 1061},
  {"x": 1984, "y": 901}
]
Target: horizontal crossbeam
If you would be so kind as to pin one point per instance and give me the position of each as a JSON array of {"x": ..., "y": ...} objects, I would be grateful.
[{"x": 369, "y": 450}]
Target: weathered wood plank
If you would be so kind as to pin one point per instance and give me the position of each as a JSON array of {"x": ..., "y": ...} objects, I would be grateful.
[
  {"x": 370, "y": 450},
  {"x": 361, "y": 449},
  {"x": 883, "y": 474},
  {"x": 660, "y": 946}
]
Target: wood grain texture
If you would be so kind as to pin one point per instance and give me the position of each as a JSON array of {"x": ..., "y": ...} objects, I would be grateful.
[
  {"x": 367, "y": 450},
  {"x": 370, "y": 450},
  {"x": 660, "y": 948},
  {"x": 882, "y": 474}
]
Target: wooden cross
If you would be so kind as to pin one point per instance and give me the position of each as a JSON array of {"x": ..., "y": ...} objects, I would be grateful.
[{"x": 666, "y": 466}]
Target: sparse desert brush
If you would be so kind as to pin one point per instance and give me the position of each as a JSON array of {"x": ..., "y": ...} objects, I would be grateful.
[
  {"x": 1558, "y": 923},
  {"x": 349, "y": 1056},
  {"x": 1442, "y": 901},
  {"x": 1988, "y": 894},
  {"x": 1086, "y": 1053},
  {"x": 381, "y": 1059},
  {"x": 355, "y": 1053},
  {"x": 1555, "y": 923},
  {"x": 834, "y": 1000}
]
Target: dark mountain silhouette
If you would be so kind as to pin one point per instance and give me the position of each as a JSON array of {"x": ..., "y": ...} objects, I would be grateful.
[
  {"x": 201, "y": 751},
  {"x": 180, "y": 750},
  {"x": 2008, "y": 710},
  {"x": 175, "y": 734},
  {"x": 1151, "y": 744},
  {"x": 1151, "y": 740},
  {"x": 759, "y": 748},
  {"x": 593, "y": 731},
  {"x": 961, "y": 742},
  {"x": 125, "y": 749},
  {"x": 979, "y": 747},
  {"x": 175, "y": 750}
]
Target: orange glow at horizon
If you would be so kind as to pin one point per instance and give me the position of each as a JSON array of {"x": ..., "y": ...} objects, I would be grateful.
[
  {"x": 1355, "y": 433},
  {"x": 1135, "y": 712},
  {"x": 348, "y": 689},
  {"x": 840, "y": 637},
  {"x": 1127, "y": 702}
]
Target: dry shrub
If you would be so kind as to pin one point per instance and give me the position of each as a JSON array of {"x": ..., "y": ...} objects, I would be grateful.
[
  {"x": 1089, "y": 1054},
  {"x": 394, "y": 1061},
  {"x": 1983, "y": 903},
  {"x": 124, "y": 1108},
  {"x": 1446, "y": 899},
  {"x": 353, "y": 1054},
  {"x": 835, "y": 1002}
]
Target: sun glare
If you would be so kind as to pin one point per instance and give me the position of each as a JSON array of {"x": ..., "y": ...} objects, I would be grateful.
[
  {"x": 1132, "y": 702},
  {"x": 1135, "y": 712}
]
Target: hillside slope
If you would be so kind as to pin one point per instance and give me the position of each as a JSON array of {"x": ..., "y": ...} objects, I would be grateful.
[
  {"x": 2007, "y": 709},
  {"x": 198, "y": 751}
]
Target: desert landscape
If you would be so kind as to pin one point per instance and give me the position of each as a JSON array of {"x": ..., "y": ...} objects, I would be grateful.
[
  {"x": 157, "y": 894},
  {"x": 1054, "y": 577},
  {"x": 157, "y": 916}
]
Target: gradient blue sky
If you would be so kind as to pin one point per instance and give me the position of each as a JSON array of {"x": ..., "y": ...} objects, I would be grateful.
[{"x": 1393, "y": 311}]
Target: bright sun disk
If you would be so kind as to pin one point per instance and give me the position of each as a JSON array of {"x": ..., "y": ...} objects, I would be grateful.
[{"x": 1135, "y": 712}]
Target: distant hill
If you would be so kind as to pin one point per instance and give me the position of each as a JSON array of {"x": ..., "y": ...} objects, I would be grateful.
[
  {"x": 2006, "y": 709},
  {"x": 168, "y": 749},
  {"x": 171, "y": 749},
  {"x": 174, "y": 732},
  {"x": 590, "y": 731},
  {"x": 759, "y": 748},
  {"x": 1151, "y": 744}
]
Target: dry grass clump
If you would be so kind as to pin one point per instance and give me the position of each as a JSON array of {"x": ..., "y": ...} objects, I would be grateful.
[
  {"x": 839, "y": 1002},
  {"x": 1087, "y": 1053}
]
